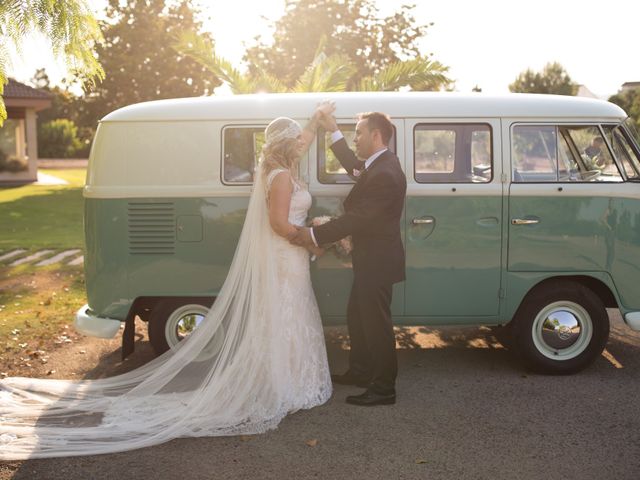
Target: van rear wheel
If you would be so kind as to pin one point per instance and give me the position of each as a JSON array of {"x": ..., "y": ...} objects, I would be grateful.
[
  {"x": 172, "y": 320},
  {"x": 560, "y": 328}
]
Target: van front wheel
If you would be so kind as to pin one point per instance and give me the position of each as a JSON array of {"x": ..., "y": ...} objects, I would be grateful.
[
  {"x": 561, "y": 328},
  {"x": 172, "y": 320}
]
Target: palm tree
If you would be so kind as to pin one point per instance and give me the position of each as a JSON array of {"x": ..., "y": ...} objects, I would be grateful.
[
  {"x": 68, "y": 24},
  {"x": 325, "y": 74}
]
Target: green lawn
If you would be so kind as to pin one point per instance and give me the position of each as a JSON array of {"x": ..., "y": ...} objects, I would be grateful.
[
  {"x": 43, "y": 216},
  {"x": 36, "y": 303}
]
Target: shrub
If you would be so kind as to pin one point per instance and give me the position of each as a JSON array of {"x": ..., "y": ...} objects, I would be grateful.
[{"x": 58, "y": 139}]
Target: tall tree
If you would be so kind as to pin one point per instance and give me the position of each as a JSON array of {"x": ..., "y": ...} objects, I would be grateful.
[
  {"x": 629, "y": 101},
  {"x": 68, "y": 24},
  {"x": 354, "y": 28},
  {"x": 137, "y": 55},
  {"x": 553, "y": 79}
]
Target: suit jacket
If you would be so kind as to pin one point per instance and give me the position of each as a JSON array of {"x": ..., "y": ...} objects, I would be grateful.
[{"x": 373, "y": 210}]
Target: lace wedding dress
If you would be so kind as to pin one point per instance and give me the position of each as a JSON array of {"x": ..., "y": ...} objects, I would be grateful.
[{"x": 257, "y": 356}]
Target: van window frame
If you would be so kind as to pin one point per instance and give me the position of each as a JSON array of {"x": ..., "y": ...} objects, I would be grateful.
[
  {"x": 436, "y": 126},
  {"x": 222, "y": 152},
  {"x": 571, "y": 146}
]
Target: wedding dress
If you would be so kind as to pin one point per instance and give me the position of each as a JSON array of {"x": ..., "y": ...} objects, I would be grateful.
[{"x": 257, "y": 356}]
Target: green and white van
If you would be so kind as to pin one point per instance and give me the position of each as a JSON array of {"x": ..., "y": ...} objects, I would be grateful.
[{"x": 522, "y": 213}]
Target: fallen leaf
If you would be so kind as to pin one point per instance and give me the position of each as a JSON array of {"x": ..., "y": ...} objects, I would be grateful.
[
  {"x": 420, "y": 461},
  {"x": 312, "y": 443}
]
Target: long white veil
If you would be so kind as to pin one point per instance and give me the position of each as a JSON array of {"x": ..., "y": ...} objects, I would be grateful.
[{"x": 226, "y": 378}]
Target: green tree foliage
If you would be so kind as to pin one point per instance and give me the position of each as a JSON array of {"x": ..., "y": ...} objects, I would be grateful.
[
  {"x": 58, "y": 139},
  {"x": 629, "y": 101},
  {"x": 140, "y": 62},
  {"x": 553, "y": 79},
  {"x": 354, "y": 29},
  {"x": 67, "y": 105},
  {"x": 68, "y": 24}
]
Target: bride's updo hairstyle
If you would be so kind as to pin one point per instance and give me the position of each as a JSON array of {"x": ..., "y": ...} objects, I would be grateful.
[{"x": 280, "y": 149}]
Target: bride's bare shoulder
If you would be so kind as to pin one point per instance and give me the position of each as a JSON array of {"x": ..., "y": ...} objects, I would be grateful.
[{"x": 278, "y": 178}]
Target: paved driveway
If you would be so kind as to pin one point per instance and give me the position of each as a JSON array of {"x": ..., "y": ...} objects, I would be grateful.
[{"x": 466, "y": 410}]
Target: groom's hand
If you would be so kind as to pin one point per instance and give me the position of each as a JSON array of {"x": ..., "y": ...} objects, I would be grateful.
[
  {"x": 302, "y": 238},
  {"x": 328, "y": 122}
]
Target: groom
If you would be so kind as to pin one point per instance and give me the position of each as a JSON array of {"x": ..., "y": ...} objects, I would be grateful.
[{"x": 372, "y": 215}]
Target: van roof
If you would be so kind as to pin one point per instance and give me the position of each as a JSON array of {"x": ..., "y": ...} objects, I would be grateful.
[{"x": 395, "y": 104}]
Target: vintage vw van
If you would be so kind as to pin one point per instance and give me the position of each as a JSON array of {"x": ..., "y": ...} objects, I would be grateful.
[{"x": 522, "y": 213}]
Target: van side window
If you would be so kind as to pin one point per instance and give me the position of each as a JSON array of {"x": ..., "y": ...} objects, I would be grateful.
[
  {"x": 559, "y": 153},
  {"x": 329, "y": 169},
  {"x": 452, "y": 153},
  {"x": 534, "y": 154},
  {"x": 240, "y": 152}
]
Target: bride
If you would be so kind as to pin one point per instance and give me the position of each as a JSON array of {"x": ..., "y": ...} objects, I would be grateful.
[{"x": 257, "y": 356}]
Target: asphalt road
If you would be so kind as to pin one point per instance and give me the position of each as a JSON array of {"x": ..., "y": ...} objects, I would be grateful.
[{"x": 465, "y": 410}]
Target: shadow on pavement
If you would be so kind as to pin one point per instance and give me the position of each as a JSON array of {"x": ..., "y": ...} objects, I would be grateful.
[{"x": 428, "y": 358}]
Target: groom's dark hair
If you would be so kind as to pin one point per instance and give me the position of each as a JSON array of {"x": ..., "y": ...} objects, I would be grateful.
[{"x": 378, "y": 121}]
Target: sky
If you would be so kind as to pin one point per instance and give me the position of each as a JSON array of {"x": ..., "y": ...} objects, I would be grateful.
[{"x": 485, "y": 43}]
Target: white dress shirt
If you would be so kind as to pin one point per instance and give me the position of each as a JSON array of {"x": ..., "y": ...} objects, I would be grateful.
[{"x": 335, "y": 136}]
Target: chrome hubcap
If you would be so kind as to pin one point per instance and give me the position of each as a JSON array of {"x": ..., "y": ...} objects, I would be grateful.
[
  {"x": 184, "y": 321},
  {"x": 562, "y": 330}
]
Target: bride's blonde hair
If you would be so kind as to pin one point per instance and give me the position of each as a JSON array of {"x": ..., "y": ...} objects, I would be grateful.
[{"x": 280, "y": 149}]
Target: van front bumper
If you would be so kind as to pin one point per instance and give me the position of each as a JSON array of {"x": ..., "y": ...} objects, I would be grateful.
[
  {"x": 93, "y": 326},
  {"x": 633, "y": 320}
]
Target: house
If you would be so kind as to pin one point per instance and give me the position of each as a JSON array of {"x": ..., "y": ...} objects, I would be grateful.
[
  {"x": 629, "y": 86},
  {"x": 18, "y": 135}
]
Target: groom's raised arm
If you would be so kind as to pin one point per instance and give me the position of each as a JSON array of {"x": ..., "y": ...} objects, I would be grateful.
[{"x": 344, "y": 154}]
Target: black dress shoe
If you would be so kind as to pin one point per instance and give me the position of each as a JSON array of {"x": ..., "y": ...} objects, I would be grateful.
[
  {"x": 350, "y": 379},
  {"x": 370, "y": 398}
]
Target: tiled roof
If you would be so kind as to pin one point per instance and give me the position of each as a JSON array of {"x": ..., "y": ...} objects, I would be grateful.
[{"x": 15, "y": 89}]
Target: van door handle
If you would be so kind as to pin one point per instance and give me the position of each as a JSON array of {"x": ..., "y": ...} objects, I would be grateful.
[
  {"x": 524, "y": 221},
  {"x": 422, "y": 221}
]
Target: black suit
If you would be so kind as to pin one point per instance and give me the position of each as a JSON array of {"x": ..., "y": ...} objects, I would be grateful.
[{"x": 373, "y": 210}]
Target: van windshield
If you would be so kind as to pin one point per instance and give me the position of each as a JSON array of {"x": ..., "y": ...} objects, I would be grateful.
[
  {"x": 622, "y": 142},
  {"x": 631, "y": 128}
]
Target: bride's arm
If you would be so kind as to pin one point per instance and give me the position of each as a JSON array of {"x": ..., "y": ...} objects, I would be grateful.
[
  {"x": 309, "y": 131},
  {"x": 279, "y": 202}
]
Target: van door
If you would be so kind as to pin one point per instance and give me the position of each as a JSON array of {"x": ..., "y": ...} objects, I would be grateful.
[
  {"x": 453, "y": 219},
  {"x": 563, "y": 214}
]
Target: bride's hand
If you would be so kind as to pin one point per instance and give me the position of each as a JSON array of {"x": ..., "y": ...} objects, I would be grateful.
[
  {"x": 326, "y": 107},
  {"x": 317, "y": 251}
]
